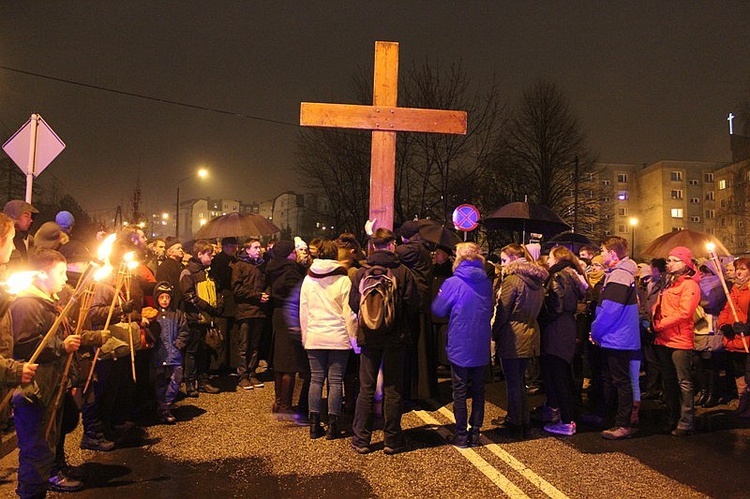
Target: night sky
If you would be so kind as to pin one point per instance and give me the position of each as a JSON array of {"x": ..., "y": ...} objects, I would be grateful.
[{"x": 648, "y": 81}]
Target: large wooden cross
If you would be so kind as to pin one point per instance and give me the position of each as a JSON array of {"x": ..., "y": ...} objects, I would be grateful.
[{"x": 384, "y": 118}]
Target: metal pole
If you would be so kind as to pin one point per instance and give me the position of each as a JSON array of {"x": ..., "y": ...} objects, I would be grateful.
[
  {"x": 177, "y": 215},
  {"x": 632, "y": 242},
  {"x": 32, "y": 156}
]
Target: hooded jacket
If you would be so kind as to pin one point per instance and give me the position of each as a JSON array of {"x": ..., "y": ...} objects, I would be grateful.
[
  {"x": 740, "y": 295},
  {"x": 467, "y": 298},
  {"x": 193, "y": 274},
  {"x": 417, "y": 259},
  {"x": 520, "y": 299},
  {"x": 407, "y": 300},
  {"x": 616, "y": 323},
  {"x": 564, "y": 290},
  {"x": 673, "y": 312},
  {"x": 170, "y": 330},
  {"x": 324, "y": 306}
]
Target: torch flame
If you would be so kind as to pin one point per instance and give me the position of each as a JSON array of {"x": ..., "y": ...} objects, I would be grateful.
[
  {"x": 105, "y": 249},
  {"x": 710, "y": 246},
  {"x": 102, "y": 272},
  {"x": 19, "y": 281}
]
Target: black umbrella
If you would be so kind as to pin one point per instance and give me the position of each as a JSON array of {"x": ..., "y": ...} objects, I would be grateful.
[
  {"x": 436, "y": 233},
  {"x": 526, "y": 217},
  {"x": 570, "y": 240}
]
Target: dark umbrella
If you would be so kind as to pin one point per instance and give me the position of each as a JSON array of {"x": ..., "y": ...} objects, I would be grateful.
[
  {"x": 570, "y": 240},
  {"x": 237, "y": 225},
  {"x": 526, "y": 217},
  {"x": 693, "y": 240},
  {"x": 436, "y": 233}
]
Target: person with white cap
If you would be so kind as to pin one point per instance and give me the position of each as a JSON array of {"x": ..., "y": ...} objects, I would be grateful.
[
  {"x": 673, "y": 325},
  {"x": 22, "y": 214}
]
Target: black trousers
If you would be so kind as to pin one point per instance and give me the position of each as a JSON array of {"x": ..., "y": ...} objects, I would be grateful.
[
  {"x": 558, "y": 385},
  {"x": 617, "y": 387}
]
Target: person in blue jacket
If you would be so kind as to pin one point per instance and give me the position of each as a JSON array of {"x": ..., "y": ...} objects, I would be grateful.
[
  {"x": 467, "y": 299},
  {"x": 616, "y": 330}
]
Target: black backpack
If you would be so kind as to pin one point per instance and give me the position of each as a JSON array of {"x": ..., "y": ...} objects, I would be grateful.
[{"x": 377, "y": 300}]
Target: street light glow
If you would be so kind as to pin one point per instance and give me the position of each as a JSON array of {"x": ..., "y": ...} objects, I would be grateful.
[
  {"x": 203, "y": 173},
  {"x": 633, "y": 221}
]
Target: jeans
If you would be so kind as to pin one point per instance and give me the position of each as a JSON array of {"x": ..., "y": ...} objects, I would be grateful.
[
  {"x": 678, "y": 385},
  {"x": 558, "y": 385},
  {"x": 617, "y": 384},
  {"x": 248, "y": 347},
  {"x": 392, "y": 358},
  {"x": 167, "y": 385},
  {"x": 35, "y": 456},
  {"x": 461, "y": 377},
  {"x": 330, "y": 364},
  {"x": 518, "y": 404},
  {"x": 196, "y": 352}
]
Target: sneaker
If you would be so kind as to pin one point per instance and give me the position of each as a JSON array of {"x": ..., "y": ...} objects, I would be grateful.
[
  {"x": 245, "y": 384},
  {"x": 207, "y": 387},
  {"x": 62, "y": 483},
  {"x": 256, "y": 382},
  {"x": 98, "y": 444},
  {"x": 561, "y": 428},
  {"x": 618, "y": 433},
  {"x": 390, "y": 451},
  {"x": 360, "y": 449},
  {"x": 458, "y": 441},
  {"x": 168, "y": 418},
  {"x": 262, "y": 367},
  {"x": 473, "y": 437}
]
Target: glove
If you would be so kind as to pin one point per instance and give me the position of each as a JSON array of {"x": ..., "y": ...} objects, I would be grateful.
[
  {"x": 739, "y": 328},
  {"x": 127, "y": 307},
  {"x": 106, "y": 335},
  {"x": 728, "y": 331}
]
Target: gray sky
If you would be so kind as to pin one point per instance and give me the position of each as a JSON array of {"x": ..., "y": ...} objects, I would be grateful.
[{"x": 649, "y": 80}]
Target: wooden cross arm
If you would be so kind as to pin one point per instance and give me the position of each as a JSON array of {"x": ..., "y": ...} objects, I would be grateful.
[{"x": 383, "y": 118}]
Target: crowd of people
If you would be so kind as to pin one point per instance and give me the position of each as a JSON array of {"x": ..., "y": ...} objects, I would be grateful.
[{"x": 371, "y": 329}]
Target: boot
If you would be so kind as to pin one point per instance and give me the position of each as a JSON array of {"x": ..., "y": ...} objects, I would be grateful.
[
  {"x": 334, "y": 431},
  {"x": 635, "y": 415},
  {"x": 191, "y": 389},
  {"x": 277, "y": 391},
  {"x": 743, "y": 410},
  {"x": 711, "y": 401},
  {"x": 316, "y": 429}
]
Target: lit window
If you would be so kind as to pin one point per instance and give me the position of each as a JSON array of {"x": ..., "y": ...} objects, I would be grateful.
[
  {"x": 677, "y": 213},
  {"x": 676, "y": 193},
  {"x": 722, "y": 184},
  {"x": 622, "y": 195},
  {"x": 676, "y": 176}
]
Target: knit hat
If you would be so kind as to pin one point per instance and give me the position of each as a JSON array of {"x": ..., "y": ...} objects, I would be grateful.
[
  {"x": 17, "y": 207},
  {"x": 282, "y": 249},
  {"x": 534, "y": 249},
  {"x": 75, "y": 251},
  {"x": 299, "y": 243},
  {"x": 49, "y": 236},
  {"x": 408, "y": 229},
  {"x": 65, "y": 220},
  {"x": 683, "y": 254},
  {"x": 171, "y": 241}
]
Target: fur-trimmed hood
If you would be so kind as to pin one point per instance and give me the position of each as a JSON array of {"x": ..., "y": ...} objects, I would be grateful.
[{"x": 533, "y": 275}]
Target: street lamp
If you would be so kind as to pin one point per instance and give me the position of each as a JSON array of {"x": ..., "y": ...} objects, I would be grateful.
[
  {"x": 202, "y": 173},
  {"x": 633, "y": 222}
]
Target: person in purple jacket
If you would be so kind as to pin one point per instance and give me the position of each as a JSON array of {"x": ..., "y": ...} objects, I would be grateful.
[{"x": 467, "y": 299}]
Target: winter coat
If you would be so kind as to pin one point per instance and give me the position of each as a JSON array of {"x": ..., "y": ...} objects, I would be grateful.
[
  {"x": 170, "y": 270},
  {"x": 616, "y": 325},
  {"x": 557, "y": 319},
  {"x": 324, "y": 306},
  {"x": 282, "y": 275},
  {"x": 10, "y": 370},
  {"x": 407, "y": 300},
  {"x": 248, "y": 283},
  {"x": 673, "y": 313},
  {"x": 194, "y": 273},
  {"x": 102, "y": 300},
  {"x": 741, "y": 298},
  {"x": 221, "y": 271},
  {"x": 520, "y": 299},
  {"x": 440, "y": 272},
  {"x": 418, "y": 259},
  {"x": 467, "y": 298},
  {"x": 171, "y": 332}
]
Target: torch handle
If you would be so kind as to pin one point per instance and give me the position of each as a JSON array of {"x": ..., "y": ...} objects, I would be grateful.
[
  {"x": 729, "y": 297},
  {"x": 130, "y": 324},
  {"x": 58, "y": 397}
]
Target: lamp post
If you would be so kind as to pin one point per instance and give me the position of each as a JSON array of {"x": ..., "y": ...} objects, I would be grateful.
[
  {"x": 202, "y": 173},
  {"x": 633, "y": 222}
]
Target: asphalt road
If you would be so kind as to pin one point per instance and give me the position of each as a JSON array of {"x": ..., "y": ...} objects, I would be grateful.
[{"x": 229, "y": 445}]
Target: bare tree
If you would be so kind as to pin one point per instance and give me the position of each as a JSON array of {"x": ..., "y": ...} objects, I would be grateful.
[{"x": 547, "y": 154}]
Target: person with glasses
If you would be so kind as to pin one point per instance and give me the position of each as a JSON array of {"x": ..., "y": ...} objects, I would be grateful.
[{"x": 673, "y": 324}]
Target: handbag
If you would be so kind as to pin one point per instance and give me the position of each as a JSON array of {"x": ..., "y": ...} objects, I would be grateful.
[
  {"x": 214, "y": 337},
  {"x": 705, "y": 336}
]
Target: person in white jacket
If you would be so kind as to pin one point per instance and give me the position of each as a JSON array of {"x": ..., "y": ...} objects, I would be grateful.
[{"x": 324, "y": 315}]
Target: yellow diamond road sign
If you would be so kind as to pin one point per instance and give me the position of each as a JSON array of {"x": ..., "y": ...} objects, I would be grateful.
[{"x": 48, "y": 145}]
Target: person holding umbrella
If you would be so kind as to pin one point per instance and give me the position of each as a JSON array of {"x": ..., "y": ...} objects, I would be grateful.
[{"x": 673, "y": 325}]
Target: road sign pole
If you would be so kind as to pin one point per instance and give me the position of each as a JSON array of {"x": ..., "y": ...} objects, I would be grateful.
[{"x": 32, "y": 156}]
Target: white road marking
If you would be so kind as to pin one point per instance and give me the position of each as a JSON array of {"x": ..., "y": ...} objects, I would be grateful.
[{"x": 478, "y": 461}]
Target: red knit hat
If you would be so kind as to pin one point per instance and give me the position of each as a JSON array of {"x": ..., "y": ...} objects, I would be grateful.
[{"x": 683, "y": 254}]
